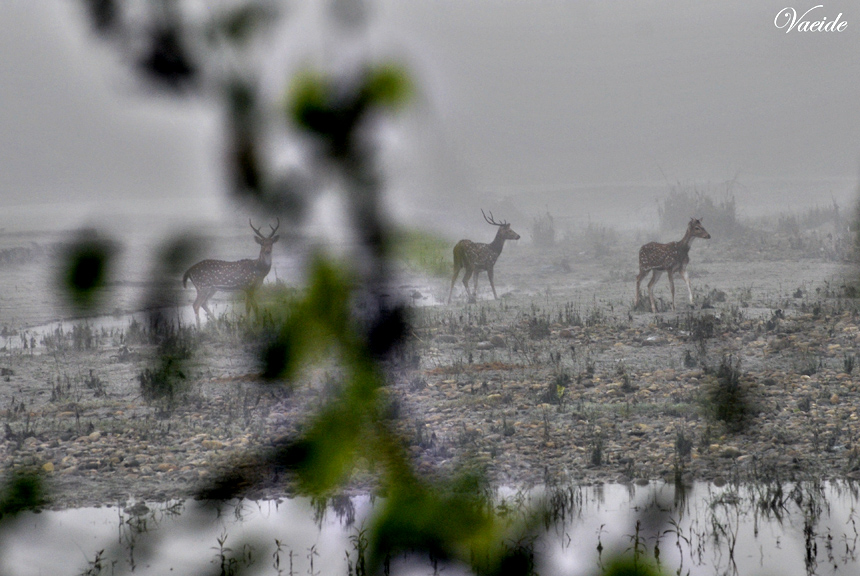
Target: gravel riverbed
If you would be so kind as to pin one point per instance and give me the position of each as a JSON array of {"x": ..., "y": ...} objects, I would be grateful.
[{"x": 560, "y": 380}]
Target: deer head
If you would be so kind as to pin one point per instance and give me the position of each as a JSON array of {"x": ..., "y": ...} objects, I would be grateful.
[
  {"x": 505, "y": 232},
  {"x": 696, "y": 230},
  {"x": 266, "y": 242}
]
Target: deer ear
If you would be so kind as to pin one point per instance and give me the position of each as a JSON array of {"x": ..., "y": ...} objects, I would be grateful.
[
  {"x": 275, "y": 238},
  {"x": 258, "y": 240}
]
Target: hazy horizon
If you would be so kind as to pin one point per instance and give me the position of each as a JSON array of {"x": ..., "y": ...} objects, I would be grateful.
[{"x": 514, "y": 100}]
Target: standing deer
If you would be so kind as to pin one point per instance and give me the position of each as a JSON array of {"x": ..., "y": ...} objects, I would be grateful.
[
  {"x": 476, "y": 256},
  {"x": 209, "y": 276},
  {"x": 672, "y": 257}
]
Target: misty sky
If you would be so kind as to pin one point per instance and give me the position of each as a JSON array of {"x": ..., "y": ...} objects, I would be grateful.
[{"x": 515, "y": 95}]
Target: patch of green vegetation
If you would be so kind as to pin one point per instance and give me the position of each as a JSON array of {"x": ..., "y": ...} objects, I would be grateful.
[
  {"x": 728, "y": 399},
  {"x": 21, "y": 490},
  {"x": 422, "y": 251}
]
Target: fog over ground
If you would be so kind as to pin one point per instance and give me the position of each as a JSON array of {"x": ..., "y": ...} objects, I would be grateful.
[{"x": 590, "y": 109}]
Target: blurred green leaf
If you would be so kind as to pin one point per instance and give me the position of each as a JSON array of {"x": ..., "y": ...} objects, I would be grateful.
[
  {"x": 21, "y": 491},
  {"x": 103, "y": 14},
  {"x": 333, "y": 112},
  {"x": 421, "y": 251},
  {"x": 177, "y": 254},
  {"x": 241, "y": 99},
  {"x": 388, "y": 85},
  {"x": 276, "y": 358},
  {"x": 328, "y": 298},
  {"x": 311, "y": 327},
  {"x": 309, "y": 97},
  {"x": 240, "y": 24},
  {"x": 629, "y": 566},
  {"x": 85, "y": 269},
  {"x": 447, "y": 524},
  {"x": 167, "y": 60},
  {"x": 330, "y": 446}
]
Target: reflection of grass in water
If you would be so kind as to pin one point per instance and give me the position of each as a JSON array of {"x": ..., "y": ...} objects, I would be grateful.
[{"x": 693, "y": 531}]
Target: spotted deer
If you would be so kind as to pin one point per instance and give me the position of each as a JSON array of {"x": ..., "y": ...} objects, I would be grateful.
[
  {"x": 209, "y": 276},
  {"x": 477, "y": 256},
  {"x": 671, "y": 258}
]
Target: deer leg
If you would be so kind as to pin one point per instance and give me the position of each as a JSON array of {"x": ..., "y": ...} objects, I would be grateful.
[
  {"x": 672, "y": 288},
  {"x": 493, "y": 286},
  {"x": 475, "y": 287},
  {"x": 654, "y": 277},
  {"x": 639, "y": 277},
  {"x": 196, "y": 306},
  {"x": 689, "y": 288},
  {"x": 250, "y": 301},
  {"x": 466, "y": 276},
  {"x": 200, "y": 300},
  {"x": 210, "y": 291},
  {"x": 453, "y": 281}
]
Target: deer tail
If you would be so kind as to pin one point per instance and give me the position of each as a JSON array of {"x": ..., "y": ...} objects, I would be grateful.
[
  {"x": 185, "y": 278},
  {"x": 458, "y": 256}
]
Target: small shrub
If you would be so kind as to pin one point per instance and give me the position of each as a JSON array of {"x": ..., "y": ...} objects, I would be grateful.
[
  {"x": 701, "y": 327},
  {"x": 809, "y": 364},
  {"x": 556, "y": 389},
  {"x": 95, "y": 384},
  {"x": 683, "y": 446},
  {"x": 729, "y": 400},
  {"x": 538, "y": 327},
  {"x": 600, "y": 238},
  {"x": 713, "y": 297},
  {"x": 597, "y": 451},
  {"x": 569, "y": 315},
  {"x": 685, "y": 202},
  {"x": 689, "y": 361},
  {"x": 543, "y": 230},
  {"x": 848, "y": 363},
  {"x": 164, "y": 385}
]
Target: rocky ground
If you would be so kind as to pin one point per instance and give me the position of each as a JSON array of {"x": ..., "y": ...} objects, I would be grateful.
[{"x": 559, "y": 380}]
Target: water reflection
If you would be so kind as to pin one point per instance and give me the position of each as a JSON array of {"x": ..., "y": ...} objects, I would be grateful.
[{"x": 765, "y": 528}]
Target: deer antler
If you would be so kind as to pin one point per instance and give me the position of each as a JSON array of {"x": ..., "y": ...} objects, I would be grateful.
[
  {"x": 260, "y": 234},
  {"x": 492, "y": 220}
]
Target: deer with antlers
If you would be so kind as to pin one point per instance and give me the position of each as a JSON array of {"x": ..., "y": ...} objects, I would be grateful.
[
  {"x": 671, "y": 258},
  {"x": 209, "y": 276},
  {"x": 477, "y": 256}
]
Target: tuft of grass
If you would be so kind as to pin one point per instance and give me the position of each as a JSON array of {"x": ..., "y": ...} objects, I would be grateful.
[
  {"x": 809, "y": 364},
  {"x": 597, "y": 451},
  {"x": 165, "y": 384},
  {"x": 538, "y": 325},
  {"x": 557, "y": 388}
]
